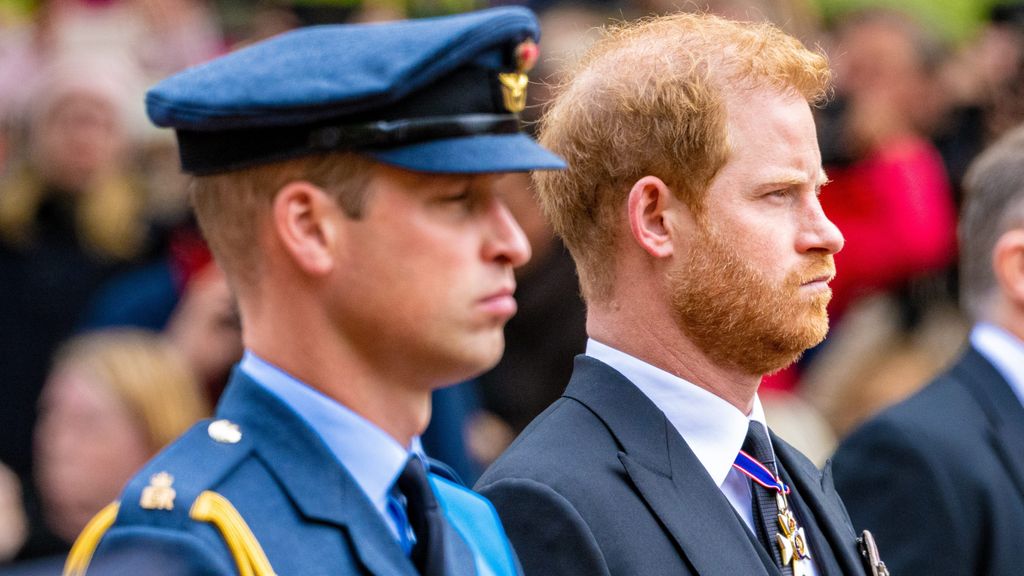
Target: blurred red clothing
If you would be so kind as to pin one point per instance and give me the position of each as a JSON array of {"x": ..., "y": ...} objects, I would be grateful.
[{"x": 895, "y": 209}]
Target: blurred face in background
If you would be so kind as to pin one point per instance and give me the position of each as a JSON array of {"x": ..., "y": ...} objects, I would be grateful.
[
  {"x": 884, "y": 69},
  {"x": 87, "y": 446},
  {"x": 75, "y": 139},
  {"x": 205, "y": 328}
]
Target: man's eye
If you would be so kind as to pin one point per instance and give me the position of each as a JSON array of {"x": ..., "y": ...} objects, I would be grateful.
[{"x": 463, "y": 197}]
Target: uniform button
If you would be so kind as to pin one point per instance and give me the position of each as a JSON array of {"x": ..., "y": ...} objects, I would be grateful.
[{"x": 224, "y": 431}]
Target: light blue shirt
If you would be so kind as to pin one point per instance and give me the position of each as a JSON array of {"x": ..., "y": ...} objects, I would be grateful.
[
  {"x": 1004, "y": 350},
  {"x": 713, "y": 428},
  {"x": 370, "y": 455}
]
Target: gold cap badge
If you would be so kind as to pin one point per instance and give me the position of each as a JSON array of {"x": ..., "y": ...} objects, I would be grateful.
[
  {"x": 513, "y": 84},
  {"x": 158, "y": 495}
]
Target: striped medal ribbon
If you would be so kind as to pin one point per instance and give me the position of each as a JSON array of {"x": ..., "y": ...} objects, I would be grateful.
[{"x": 791, "y": 539}]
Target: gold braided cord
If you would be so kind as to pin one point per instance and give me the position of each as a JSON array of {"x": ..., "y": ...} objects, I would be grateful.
[
  {"x": 217, "y": 510},
  {"x": 81, "y": 553}
]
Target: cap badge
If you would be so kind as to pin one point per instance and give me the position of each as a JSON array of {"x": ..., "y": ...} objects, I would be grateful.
[
  {"x": 513, "y": 84},
  {"x": 158, "y": 495}
]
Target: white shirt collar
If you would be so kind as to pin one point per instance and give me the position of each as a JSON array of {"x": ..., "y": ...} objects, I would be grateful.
[
  {"x": 370, "y": 455},
  {"x": 1004, "y": 350},
  {"x": 711, "y": 427}
]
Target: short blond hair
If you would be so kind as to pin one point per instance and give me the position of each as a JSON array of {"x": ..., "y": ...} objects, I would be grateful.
[
  {"x": 108, "y": 212},
  {"x": 146, "y": 373},
  {"x": 230, "y": 206},
  {"x": 649, "y": 99}
]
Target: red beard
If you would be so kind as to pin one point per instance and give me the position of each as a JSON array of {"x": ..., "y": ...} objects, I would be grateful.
[{"x": 741, "y": 319}]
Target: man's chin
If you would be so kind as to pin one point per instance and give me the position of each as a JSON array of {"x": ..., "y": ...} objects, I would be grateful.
[{"x": 789, "y": 347}]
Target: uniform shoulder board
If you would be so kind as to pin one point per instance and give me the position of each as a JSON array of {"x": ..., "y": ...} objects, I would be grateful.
[{"x": 175, "y": 489}]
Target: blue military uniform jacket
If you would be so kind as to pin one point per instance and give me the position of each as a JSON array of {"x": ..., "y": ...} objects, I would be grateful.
[{"x": 256, "y": 491}]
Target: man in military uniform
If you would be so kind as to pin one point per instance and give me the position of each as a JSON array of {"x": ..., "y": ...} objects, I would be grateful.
[{"x": 347, "y": 181}]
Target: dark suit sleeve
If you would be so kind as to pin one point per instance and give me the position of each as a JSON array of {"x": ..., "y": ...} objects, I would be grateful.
[
  {"x": 548, "y": 534},
  {"x": 907, "y": 497},
  {"x": 156, "y": 552}
]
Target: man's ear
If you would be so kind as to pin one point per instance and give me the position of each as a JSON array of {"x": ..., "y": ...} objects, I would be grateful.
[
  {"x": 304, "y": 219},
  {"x": 1008, "y": 265},
  {"x": 650, "y": 201}
]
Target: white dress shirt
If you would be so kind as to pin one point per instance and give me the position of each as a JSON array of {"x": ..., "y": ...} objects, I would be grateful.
[
  {"x": 369, "y": 454},
  {"x": 713, "y": 428}
]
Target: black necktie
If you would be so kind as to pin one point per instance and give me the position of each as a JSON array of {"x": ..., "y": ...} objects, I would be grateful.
[
  {"x": 425, "y": 518},
  {"x": 765, "y": 508}
]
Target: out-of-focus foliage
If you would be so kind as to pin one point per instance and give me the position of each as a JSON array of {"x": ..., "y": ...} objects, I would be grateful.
[{"x": 955, "y": 20}]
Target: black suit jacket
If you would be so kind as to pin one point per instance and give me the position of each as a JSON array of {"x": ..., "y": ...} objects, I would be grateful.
[
  {"x": 602, "y": 484},
  {"x": 939, "y": 478}
]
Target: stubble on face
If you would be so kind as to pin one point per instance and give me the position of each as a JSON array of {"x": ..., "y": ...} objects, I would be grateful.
[{"x": 739, "y": 317}]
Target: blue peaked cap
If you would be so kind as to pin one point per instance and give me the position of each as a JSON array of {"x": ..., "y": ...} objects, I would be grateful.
[{"x": 423, "y": 95}]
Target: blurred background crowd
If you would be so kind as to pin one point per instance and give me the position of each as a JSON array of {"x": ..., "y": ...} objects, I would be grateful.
[{"x": 117, "y": 331}]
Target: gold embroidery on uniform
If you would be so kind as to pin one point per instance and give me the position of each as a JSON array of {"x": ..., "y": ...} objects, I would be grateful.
[{"x": 158, "y": 495}]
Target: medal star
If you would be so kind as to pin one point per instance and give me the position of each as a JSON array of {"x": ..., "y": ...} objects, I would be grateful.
[
  {"x": 792, "y": 543},
  {"x": 800, "y": 543},
  {"x": 786, "y": 547}
]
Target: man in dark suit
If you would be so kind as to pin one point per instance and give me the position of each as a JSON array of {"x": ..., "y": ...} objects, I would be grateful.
[
  {"x": 691, "y": 208},
  {"x": 940, "y": 476},
  {"x": 348, "y": 181}
]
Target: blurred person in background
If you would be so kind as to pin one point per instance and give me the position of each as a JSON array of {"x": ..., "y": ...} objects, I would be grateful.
[
  {"x": 984, "y": 84},
  {"x": 890, "y": 195},
  {"x": 112, "y": 400},
  {"x": 187, "y": 297},
  {"x": 160, "y": 36},
  {"x": 888, "y": 186},
  {"x": 206, "y": 329},
  {"x": 940, "y": 476},
  {"x": 70, "y": 217},
  {"x": 13, "y": 522}
]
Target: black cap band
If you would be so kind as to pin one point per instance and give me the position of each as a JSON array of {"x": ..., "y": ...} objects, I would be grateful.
[
  {"x": 390, "y": 133},
  {"x": 209, "y": 152}
]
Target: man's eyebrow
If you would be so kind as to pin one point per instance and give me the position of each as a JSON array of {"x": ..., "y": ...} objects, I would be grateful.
[{"x": 788, "y": 179}]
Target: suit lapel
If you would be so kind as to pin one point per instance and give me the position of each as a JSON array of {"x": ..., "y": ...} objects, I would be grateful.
[
  {"x": 320, "y": 487},
  {"x": 822, "y": 502},
  {"x": 1009, "y": 442},
  {"x": 1001, "y": 405},
  {"x": 666, "y": 473}
]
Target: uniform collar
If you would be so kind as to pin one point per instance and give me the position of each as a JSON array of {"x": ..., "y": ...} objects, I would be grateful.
[
  {"x": 1004, "y": 350},
  {"x": 371, "y": 456},
  {"x": 712, "y": 428}
]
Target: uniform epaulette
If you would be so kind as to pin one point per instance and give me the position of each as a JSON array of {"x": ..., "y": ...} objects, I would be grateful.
[
  {"x": 162, "y": 494},
  {"x": 172, "y": 491}
]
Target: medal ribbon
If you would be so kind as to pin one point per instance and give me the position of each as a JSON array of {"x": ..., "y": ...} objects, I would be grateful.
[{"x": 757, "y": 472}]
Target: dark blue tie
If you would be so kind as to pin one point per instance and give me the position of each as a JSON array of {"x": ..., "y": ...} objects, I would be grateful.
[
  {"x": 425, "y": 518},
  {"x": 766, "y": 510}
]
